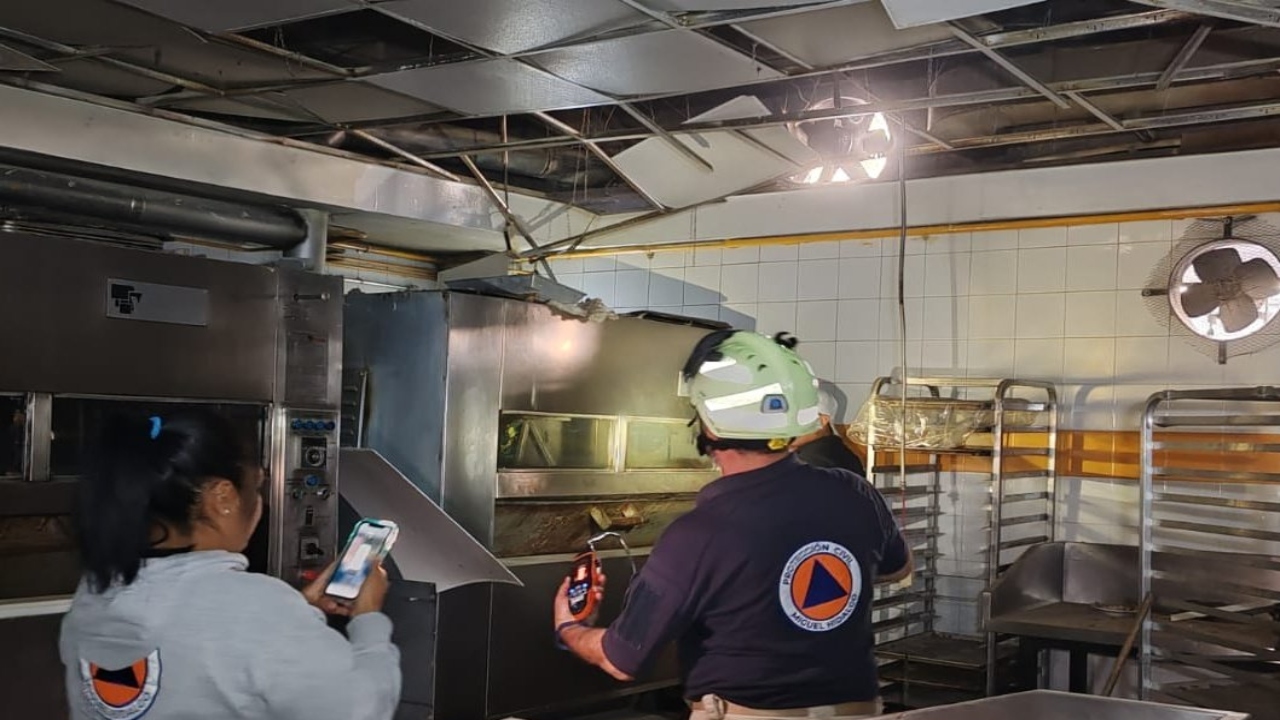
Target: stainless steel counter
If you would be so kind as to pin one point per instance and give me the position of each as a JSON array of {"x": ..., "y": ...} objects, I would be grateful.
[{"x": 1051, "y": 705}]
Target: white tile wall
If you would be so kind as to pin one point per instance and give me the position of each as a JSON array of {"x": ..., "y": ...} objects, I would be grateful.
[{"x": 1058, "y": 303}]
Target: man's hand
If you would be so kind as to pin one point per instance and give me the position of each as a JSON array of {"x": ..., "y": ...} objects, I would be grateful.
[{"x": 561, "y": 611}]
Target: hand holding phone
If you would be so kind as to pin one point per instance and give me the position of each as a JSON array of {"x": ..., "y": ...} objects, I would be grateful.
[{"x": 358, "y": 580}]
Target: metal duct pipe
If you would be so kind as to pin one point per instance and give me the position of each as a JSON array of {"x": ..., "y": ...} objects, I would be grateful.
[
  {"x": 311, "y": 251},
  {"x": 564, "y": 165},
  {"x": 150, "y": 210}
]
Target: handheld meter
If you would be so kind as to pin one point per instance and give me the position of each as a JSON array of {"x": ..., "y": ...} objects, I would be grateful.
[{"x": 583, "y": 582}]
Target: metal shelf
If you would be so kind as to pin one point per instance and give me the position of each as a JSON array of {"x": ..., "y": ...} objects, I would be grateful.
[
  {"x": 1029, "y": 504},
  {"x": 1206, "y": 546}
]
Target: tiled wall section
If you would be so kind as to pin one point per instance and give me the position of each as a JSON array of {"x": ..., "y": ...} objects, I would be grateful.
[{"x": 1060, "y": 304}]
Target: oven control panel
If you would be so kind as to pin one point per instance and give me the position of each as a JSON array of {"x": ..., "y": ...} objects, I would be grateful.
[{"x": 310, "y": 495}]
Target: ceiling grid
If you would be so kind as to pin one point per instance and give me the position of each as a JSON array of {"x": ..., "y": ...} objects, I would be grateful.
[{"x": 605, "y": 100}]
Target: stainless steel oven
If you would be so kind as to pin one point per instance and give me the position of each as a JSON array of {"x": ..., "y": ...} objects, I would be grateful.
[{"x": 89, "y": 330}]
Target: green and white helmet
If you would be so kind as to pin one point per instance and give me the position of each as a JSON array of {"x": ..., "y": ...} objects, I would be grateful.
[{"x": 748, "y": 386}]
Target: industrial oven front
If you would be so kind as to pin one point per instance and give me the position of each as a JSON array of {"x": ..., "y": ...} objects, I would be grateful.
[
  {"x": 535, "y": 432},
  {"x": 91, "y": 330}
]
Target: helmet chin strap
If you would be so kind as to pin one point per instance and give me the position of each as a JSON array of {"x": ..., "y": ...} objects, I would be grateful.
[{"x": 706, "y": 444}]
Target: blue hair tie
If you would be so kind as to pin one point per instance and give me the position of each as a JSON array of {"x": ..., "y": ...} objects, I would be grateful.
[{"x": 156, "y": 422}]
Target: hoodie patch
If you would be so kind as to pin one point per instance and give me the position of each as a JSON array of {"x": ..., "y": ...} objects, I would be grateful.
[{"x": 125, "y": 693}]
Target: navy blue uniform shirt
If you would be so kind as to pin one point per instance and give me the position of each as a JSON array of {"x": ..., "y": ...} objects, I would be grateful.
[{"x": 766, "y": 588}]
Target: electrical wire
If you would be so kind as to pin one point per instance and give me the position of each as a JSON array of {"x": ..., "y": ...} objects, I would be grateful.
[{"x": 902, "y": 314}]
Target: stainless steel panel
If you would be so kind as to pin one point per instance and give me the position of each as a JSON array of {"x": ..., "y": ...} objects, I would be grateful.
[
  {"x": 489, "y": 87},
  {"x": 473, "y": 386},
  {"x": 400, "y": 342},
  {"x": 432, "y": 546},
  {"x": 1051, "y": 705},
  {"x": 39, "y": 436},
  {"x": 69, "y": 345},
  {"x": 231, "y": 15},
  {"x": 669, "y": 61},
  {"x": 839, "y": 35},
  {"x": 511, "y": 27},
  {"x": 310, "y": 352}
]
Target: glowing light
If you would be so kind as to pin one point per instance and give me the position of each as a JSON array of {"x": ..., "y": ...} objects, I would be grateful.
[
  {"x": 874, "y": 166},
  {"x": 878, "y": 122},
  {"x": 840, "y": 176},
  {"x": 813, "y": 175}
]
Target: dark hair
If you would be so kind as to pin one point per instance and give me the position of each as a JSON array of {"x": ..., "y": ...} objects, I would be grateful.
[{"x": 143, "y": 473}]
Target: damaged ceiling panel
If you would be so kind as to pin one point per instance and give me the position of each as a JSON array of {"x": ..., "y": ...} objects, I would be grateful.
[
  {"x": 345, "y": 102},
  {"x": 508, "y": 28},
  {"x": 489, "y": 87},
  {"x": 671, "y": 61},
  {"x": 738, "y": 160},
  {"x": 228, "y": 15},
  {"x": 839, "y": 35},
  {"x": 714, "y": 5},
  {"x": 13, "y": 61},
  {"x": 916, "y": 13}
]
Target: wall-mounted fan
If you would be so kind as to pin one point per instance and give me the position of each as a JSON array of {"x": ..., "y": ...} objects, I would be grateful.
[
  {"x": 1223, "y": 288},
  {"x": 852, "y": 148}
]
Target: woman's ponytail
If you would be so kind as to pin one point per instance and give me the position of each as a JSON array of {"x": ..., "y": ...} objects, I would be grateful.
[{"x": 144, "y": 477}]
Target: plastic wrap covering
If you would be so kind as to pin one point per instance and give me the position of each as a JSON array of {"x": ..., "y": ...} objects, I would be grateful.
[{"x": 929, "y": 423}]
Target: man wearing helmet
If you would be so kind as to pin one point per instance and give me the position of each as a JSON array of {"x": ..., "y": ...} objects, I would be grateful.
[{"x": 766, "y": 585}]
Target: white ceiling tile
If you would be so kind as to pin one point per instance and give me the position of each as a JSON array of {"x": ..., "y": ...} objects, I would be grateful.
[
  {"x": 670, "y": 61},
  {"x": 738, "y": 164},
  {"x": 340, "y": 102},
  {"x": 13, "y": 61},
  {"x": 914, "y": 13},
  {"x": 842, "y": 34},
  {"x": 511, "y": 27},
  {"x": 229, "y": 15},
  {"x": 489, "y": 87}
]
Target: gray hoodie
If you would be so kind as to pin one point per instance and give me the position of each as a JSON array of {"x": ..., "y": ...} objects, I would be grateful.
[{"x": 195, "y": 636}]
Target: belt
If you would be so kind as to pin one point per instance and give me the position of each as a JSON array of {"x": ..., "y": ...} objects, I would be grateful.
[{"x": 716, "y": 707}]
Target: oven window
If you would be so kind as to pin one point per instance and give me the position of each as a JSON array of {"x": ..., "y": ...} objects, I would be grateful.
[
  {"x": 539, "y": 442},
  {"x": 663, "y": 445},
  {"x": 78, "y": 421},
  {"x": 13, "y": 436}
]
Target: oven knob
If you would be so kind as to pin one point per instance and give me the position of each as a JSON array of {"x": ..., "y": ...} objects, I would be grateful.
[
  {"x": 296, "y": 424},
  {"x": 330, "y": 425},
  {"x": 312, "y": 481}
]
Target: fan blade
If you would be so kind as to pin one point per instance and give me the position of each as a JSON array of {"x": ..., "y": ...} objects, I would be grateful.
[
  {"x": 1199, "y": 299},
  {"x": 1258, "y": 280},
  {"x": 1217, "y": 264},
  {"x": 1238, "y": 313}
]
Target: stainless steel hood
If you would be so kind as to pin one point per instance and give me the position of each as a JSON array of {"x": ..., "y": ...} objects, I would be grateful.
[{"x": 432, "y": 547}]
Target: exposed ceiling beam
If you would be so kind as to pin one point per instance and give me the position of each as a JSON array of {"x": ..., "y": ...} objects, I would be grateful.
[
  {"x": 402, "y": 153},
  {"x": 670, "y": 139},
  {"x": 1094, "y": 110},
  {"x": 1245, "y": 12},
  {"x": 1184, "y": 56},
  {"x": 1008, "y": 66},
  {"x": 602, "y": 156}
]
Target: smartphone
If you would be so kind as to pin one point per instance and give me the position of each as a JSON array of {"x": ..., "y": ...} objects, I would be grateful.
[
  {"x": 370, "y": 541},
  {"x": 582, "y": 586}
]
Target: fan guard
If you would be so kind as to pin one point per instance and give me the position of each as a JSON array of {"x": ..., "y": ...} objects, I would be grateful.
[
  {"x": 1220, "y": 287},
  {"x": 852, "y": 148}
]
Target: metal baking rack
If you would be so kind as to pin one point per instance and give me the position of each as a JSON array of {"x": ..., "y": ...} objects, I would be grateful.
[
  {"x": 1210, "y": 549},
  {"x": 1015, "y": 441}
]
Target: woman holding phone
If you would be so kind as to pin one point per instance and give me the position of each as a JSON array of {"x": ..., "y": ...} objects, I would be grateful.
[{"x": 168, "y": 624}]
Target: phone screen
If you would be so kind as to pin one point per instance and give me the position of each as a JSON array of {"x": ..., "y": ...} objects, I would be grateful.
[{"x": 367, "y": 545}]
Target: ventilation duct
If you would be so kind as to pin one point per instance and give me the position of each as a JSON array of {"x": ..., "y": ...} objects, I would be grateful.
[{"x": 126, "y": 207}]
